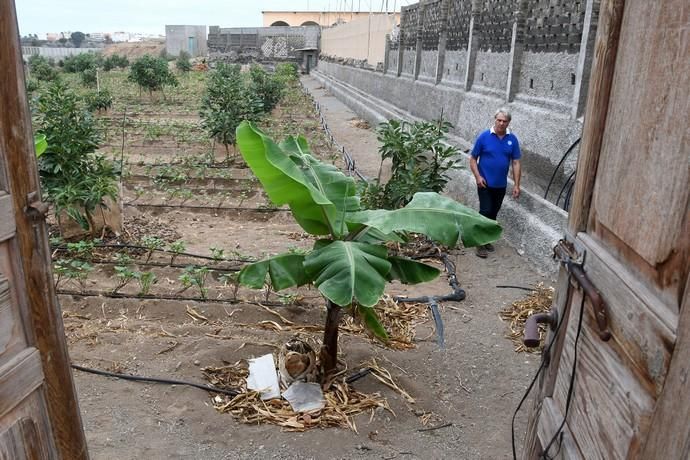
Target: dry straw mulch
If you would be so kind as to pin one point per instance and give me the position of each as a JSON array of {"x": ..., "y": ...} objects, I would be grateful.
[
  {"x": 538, "y": 301},
  {"x": 398, "y": 318},
  {"x": 342, "y": 403}
]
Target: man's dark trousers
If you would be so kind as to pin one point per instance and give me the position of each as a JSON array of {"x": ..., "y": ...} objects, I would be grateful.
[{"x": 490, "y": 200}]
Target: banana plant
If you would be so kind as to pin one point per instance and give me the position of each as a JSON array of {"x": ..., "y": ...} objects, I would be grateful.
[{"x": 349, "y": 263}]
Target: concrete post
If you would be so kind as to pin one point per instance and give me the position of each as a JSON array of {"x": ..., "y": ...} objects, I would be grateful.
[
  {"x": 472, "y": 46},
  {"x": 401, "y": 48},
  {"x": 420, "y": 30},
  {"x": 584, "y": 59},
  {"x": 517, "y": 45},
  {"x": 441, "y": 57},
  {"x": 386, "y": 50}
]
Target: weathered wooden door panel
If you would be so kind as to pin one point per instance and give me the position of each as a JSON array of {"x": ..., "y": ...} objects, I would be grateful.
[
  {"x": 39, "y": 417},
  {"x": 24, "y": 438},
  {"x": 630, "y": 220}
]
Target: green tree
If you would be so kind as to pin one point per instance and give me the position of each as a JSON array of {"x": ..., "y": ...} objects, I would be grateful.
[
  {"x": 152, "y": 74},
  {"x": 349, "y": 264},
  {"x": 73, "y": 176},
  {"x": 77, "y": 38},
  {"x": 268, "y": 87},
  {"x": 80, "y": 62},
  {"x": 420, "y": 161},
  {"x": 41, "y": 69},
  {"x": 226, "y": 103}
]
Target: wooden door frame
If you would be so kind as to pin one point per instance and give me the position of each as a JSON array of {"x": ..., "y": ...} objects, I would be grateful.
[{"x": 16, "y": 142}]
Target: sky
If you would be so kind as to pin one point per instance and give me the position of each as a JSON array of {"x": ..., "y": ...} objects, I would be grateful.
[{"x": 151, "y": 16}]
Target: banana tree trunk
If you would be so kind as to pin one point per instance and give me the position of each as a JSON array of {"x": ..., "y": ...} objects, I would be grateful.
[{"x": 329, "y": 350}]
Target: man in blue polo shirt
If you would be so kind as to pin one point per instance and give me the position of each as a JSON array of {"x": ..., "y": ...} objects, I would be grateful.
[{"x": 492, "y": 155}]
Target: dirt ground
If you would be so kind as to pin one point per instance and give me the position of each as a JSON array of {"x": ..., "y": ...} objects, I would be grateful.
[{"x": 464, "y": 394}]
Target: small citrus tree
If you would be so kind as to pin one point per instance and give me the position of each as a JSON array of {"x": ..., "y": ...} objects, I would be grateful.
[
  {"x": 349, "y": 264},
  {"x": 226, "y": 103},
  {"x": 152, "y": 74},
  {"x": 73, "y": 176}
]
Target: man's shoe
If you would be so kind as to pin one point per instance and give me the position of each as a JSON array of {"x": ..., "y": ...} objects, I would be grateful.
[
  {"x": 489, "y": 247},
  {"x": 482, "y": 252}
]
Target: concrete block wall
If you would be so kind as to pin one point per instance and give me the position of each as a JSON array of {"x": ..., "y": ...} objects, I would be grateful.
[
  {"x": 534, "y": 54},
  {"x": 277, "y": 42}
]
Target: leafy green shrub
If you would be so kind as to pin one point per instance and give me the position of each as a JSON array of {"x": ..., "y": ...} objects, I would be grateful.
[
  {"x": 420, "y": 162},
  {"x": 80, "y": 62},
  {"x": 98, "y": 101},
  {"x": 152, "y": 74},
  {"x": 41, "y": 69},
  {"x": 32, "y": 85},
  {"x": 182, "y": 62},
  {"x": 286, "y": 71},
  {"x": 226, "y": 103},
  {"x": 73, "y": 176},
  {"x": 114, "y": 61},
  {"x": 89, "y": 77},
  {"x": 349, "y": 263},
  {"x": 268, "y": 87}
]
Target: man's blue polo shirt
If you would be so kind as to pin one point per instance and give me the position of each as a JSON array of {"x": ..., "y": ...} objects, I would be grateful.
[{"x": 495, "y": 155}]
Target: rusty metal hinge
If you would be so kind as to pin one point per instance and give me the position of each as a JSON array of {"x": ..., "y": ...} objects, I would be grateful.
[{"x": 572, "y": 258}]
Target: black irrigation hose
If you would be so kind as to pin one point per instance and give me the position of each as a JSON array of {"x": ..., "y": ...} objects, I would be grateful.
[
  {"x": 138, "y": 378},
  {"x": 167, "y": 251},
  {"x": 358, "y": 375},
  {"x": 508, "y": 286},
  {"x": 568, "y": 195},
  {"x": 119, "y": 295},
  {"x": 209, "y": 208},
  {"x": 571, "y": 389},
  {"x": 215, "y": 165},
  {"x": 565, "y": 155},
  {"x": 163, "y": 265},
  {"x": 457, "y": 295},
  {"x": 567, "y": 183},
  {"x": 158, "y": 146}
]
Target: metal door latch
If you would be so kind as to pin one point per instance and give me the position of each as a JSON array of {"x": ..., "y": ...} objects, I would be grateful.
[
  {"x": 36, "y": 209},
  {"x": 566, "y": 253}
]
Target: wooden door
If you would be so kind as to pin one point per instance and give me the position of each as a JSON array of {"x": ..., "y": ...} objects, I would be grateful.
[
  {"x": 39, "y": 416},
  {"x": 629, "y": 397}
]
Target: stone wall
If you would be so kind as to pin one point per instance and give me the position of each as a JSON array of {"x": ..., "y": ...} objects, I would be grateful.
[{"x": 469, "y": 57}]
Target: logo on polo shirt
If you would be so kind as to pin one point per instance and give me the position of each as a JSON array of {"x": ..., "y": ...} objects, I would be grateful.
[{"x": 510, "y": 142}]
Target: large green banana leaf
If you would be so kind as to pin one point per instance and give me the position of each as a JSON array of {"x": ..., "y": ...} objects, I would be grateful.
[
  {"x": 371, "y": 321},
  {"x": 440, "y": 218},
  {"x": 318, "y": 194},
  {"x": 410, "y": 271},
  {"x": 284, "y": 270},
  {"x": 40, "y": 144},
  {"x": 348, "y": 271}
]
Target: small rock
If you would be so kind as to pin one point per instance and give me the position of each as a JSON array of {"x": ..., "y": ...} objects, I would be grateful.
[{"x": 197, "y": 362}]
